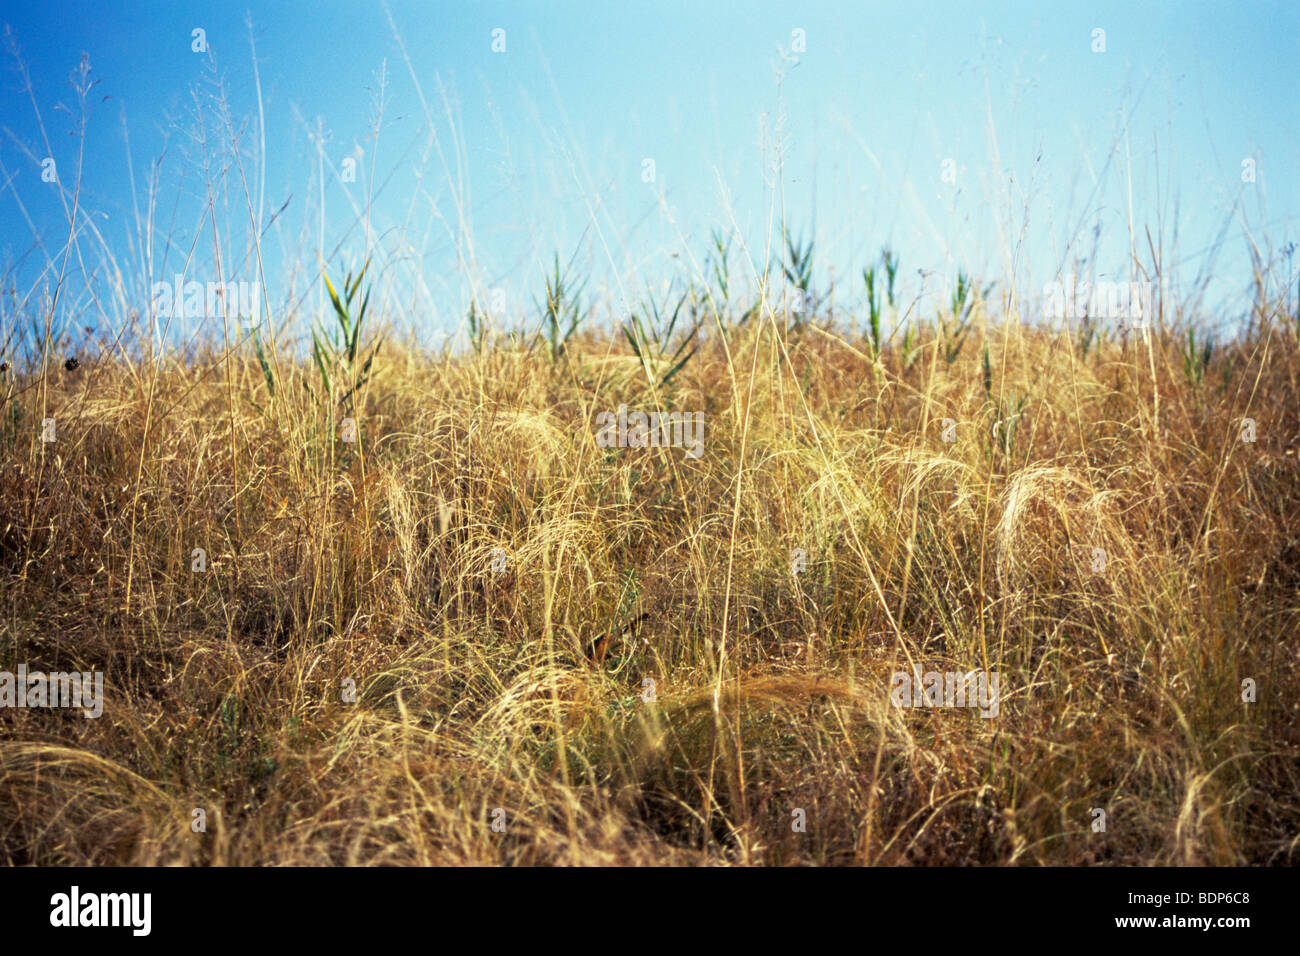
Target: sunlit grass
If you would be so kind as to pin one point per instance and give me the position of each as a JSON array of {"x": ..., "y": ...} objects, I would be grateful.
[
  {"x": 436, "y": 622},
  {"x": 374, "y": 561}
]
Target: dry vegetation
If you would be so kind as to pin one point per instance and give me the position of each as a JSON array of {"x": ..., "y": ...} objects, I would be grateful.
[
  {"x": 377, "y": 563},
  {"x": 373, "y": 561}
]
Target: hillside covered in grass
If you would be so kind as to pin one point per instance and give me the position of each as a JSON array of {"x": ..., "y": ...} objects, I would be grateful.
[{"x": 379, "y": 604}]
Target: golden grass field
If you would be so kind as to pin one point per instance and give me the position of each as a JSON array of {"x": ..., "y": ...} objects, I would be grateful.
[{"x": 375, "y": 562}]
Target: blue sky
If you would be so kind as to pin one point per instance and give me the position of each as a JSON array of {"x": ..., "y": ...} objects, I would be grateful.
[{"x": 488, "y": 163}]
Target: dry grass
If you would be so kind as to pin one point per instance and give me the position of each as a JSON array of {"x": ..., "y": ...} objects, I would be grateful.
[{"x": 373, "y": 562}]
